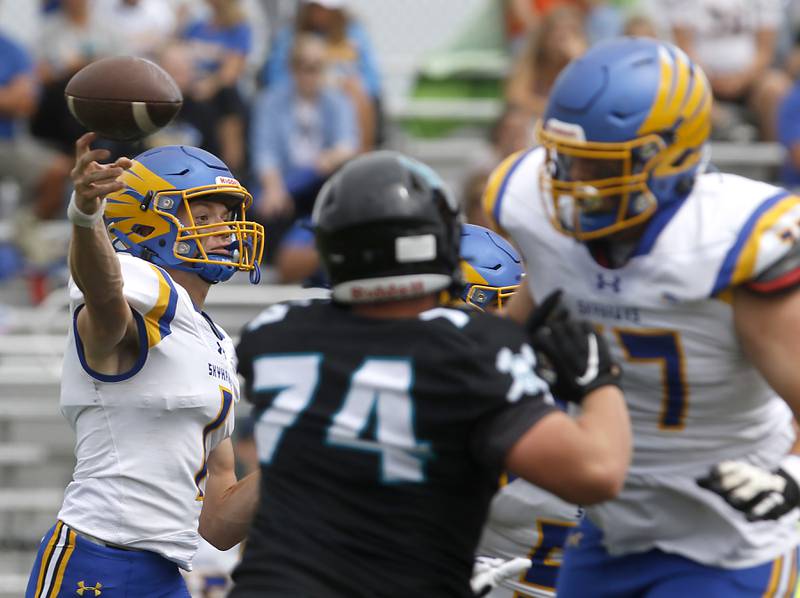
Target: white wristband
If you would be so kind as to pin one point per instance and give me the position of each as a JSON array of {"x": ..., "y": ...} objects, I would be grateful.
[{"x": 79, "y": 218}]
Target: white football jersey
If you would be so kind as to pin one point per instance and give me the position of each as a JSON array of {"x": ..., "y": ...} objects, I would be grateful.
[
  {"x": 694, "y": 398},
  {"x": 526, "y": 521},
  {"x": 143, "y": 437}
]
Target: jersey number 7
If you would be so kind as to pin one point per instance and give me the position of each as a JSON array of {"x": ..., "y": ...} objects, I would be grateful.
[
  {"x": 379, "y": 388},
  {"x": 664, "y": 348}
]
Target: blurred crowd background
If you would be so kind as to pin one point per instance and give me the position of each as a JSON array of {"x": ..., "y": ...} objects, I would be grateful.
[{"x": 285, "y": 91}]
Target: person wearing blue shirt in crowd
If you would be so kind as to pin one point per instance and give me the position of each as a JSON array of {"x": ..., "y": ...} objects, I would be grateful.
[
  {"x": 297, "y": 258},
  {"x": 302, "y": 131},
  {"x": 350, "y": 54},
  {"x": 789, "y": 136},
  {"x": 40, "y": 171},
  {"x": 220, "y": 45}
]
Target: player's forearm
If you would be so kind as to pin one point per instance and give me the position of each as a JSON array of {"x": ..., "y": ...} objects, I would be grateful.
[
  {"x": 96, "y": 270},
  {"x": 606, "y": 431},
  {"x": 582, "y": 460},
  {"x": 228, "y": 521}
]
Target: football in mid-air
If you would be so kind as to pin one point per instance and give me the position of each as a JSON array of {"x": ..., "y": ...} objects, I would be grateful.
[{"x": 123, "y": 98}]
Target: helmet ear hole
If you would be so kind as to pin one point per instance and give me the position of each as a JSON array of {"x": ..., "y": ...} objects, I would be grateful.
[{"x": 142, "y": 230}]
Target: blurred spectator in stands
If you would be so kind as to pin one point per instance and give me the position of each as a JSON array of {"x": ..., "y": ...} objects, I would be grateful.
[
  {"x": 40, "y": 171},
  {"x": 219, "y": 45},
  {"x": 350, "y": 55},
  {"x": 70, "y": 39},
  {"x": 257, "y": 17},
  {"x": 297, "y": 259},
  {"x": 789, "y": 136},
  {"x": 37, "y": 171},
  {"x": 191, "y": 122},
  {"x": 21, "y": 21},
  {"x": 640, "y": 25},
  {"x": 791, "y": 41},
  {"x": 279, "y": 14},
  {"x": 303, "y": 129},
  {"x": 560, "y": 39},
  {"x": 141, "y": 27},
  {"x": 734, "y": 41},
  {"x": 472, "y": 199},
  {"x": 602, "y": 19},
  {"x": 510, "y": 133}
]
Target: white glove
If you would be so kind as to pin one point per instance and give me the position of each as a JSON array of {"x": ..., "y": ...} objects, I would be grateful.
[
  {"x": 488, "y": 572},
  {"x": 760, "y": 494}
]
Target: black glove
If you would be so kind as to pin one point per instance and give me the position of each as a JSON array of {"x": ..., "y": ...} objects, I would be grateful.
[
  {"x": 760, "y": 494},
  {"x": 552, "y": 309},
  {"x": 574, "y": 359}
]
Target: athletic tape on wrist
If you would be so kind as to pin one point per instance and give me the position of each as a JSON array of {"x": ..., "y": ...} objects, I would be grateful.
[{"x": 79, "y": 218}]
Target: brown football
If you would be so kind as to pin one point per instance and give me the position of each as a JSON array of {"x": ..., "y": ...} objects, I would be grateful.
[{"x": 123, "y": 98}]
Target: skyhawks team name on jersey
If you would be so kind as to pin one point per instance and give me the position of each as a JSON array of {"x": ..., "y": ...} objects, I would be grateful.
[
  {"x": 216, "y": 371},
  {"x": 608, "y": 312}
]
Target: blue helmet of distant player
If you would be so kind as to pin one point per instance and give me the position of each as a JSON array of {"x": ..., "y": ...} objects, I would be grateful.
[
  {"x": 626, "y": 130},
  {"x": 143, "y": 216},
  {"x": 491, "y": 268}
]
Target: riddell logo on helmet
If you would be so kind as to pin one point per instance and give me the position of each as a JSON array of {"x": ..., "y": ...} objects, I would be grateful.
[
  {"x": 566, "y": 130},
  {"x": 391, "y": 291},
  {"x": 226, "y": 180}
]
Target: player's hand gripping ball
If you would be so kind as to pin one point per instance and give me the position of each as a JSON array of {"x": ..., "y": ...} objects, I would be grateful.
[{"x": 124, "y": 98}]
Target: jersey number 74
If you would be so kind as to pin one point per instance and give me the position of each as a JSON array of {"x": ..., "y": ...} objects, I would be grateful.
[{"x": 380, "y": 388}]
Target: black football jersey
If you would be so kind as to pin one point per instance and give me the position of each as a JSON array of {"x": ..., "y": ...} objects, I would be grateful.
[{"x": 381, "y": 443}]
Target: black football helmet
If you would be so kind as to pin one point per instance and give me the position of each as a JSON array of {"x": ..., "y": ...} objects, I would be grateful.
[{"x": 387, "y": 228}]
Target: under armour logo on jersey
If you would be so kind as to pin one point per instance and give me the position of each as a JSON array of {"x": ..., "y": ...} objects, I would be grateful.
[
  {"x": 520, "y": 367},
  {"x": 612, "y": 282},
  {"x": 83, "y": 588}
]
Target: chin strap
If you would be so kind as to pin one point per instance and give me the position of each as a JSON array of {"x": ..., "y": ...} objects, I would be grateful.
[{"x": 255, "y": 274}]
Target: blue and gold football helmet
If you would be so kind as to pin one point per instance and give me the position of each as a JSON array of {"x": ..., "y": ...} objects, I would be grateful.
[
  {"x": 491, "y": 267},
  {"x": 142, "y": 217},
  {"x": 625, "y": 129}
]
